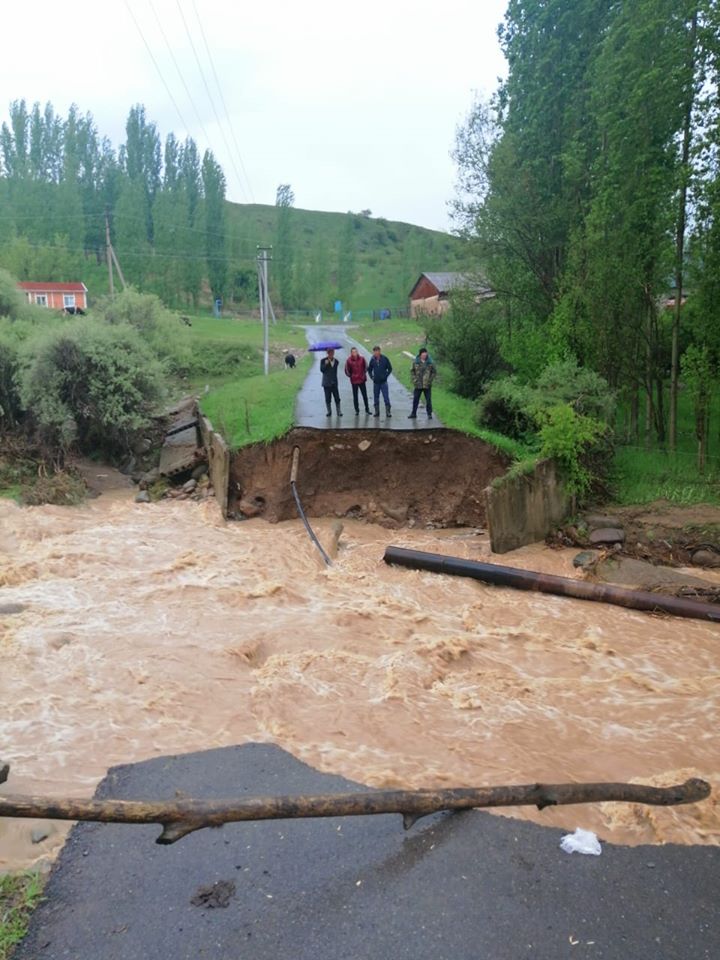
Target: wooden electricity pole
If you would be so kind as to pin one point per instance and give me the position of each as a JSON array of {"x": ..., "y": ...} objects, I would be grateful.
[
  {"x": 266, "y": 309},
  {"x": 112, "y": 258}
]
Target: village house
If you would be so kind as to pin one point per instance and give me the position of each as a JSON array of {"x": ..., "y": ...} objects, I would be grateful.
[
  {"x": 430, "y": 295},
  {"x": 57, "y": 296}
]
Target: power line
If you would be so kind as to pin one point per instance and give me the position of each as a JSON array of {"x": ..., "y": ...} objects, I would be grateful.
[
  {"x": 210, "y": 98},
  {"x": 222, "y": 99},
  {"x": 157, "y": 67},
  {"x": 149, "y": 254},
  {"x": 180, "y": 74}
]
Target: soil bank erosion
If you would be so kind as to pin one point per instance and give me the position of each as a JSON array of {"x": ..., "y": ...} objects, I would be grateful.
[{"x": 391, "y": 477}]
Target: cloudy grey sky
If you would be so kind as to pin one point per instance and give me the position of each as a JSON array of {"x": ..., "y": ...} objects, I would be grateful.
[{"x": 355, "y": 105}]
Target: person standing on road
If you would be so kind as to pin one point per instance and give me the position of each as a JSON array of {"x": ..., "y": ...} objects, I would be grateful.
[
  {"x": 379, "y": 369},
  {"x": 329, "y": 370},
  {"x": 356, "y": 369},
  {"x": 423, "y": 373}
]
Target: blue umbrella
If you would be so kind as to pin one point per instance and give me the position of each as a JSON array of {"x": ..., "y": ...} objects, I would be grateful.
[{"x": 326, "y": 345}]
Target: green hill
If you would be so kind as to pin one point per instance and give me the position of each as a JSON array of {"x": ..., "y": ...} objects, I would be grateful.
[{"x": 386, "y": 256}]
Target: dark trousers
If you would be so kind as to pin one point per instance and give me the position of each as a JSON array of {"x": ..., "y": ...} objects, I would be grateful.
[
  {"x": 363, "y": 390},
  {"x": 330, "y": 393},
  {"x": 428, "y": 398},
  {"x": 381, "y": 388}
]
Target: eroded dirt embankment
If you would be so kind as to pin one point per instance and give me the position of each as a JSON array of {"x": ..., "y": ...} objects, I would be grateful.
[{"x": 425, "y": 477}]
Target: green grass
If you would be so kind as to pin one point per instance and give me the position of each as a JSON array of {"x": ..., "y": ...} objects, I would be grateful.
[
  {"x": 641, "y": 475},
  {"x": 227, "y": 349},
  {"x": 20, "y": 893},
  {"x": 256, "y": 409},
  {"x": 206, "y": 328}
]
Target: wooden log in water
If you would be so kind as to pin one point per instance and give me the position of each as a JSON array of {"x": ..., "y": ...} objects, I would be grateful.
[
  {"x": 181, "y": 817},
  {"x": 549, "y": 583}
]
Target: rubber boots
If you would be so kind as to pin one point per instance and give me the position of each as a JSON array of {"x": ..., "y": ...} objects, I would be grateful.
[
  {"x": 338, "y": 410},
  {"x": 387, "y": 412},
  {"x": 329, "y": 410}
]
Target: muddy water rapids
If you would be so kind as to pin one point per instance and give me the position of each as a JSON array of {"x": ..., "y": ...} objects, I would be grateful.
[{"x": 150, "y": 630}]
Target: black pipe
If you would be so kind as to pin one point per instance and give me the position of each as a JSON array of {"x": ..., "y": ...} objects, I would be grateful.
[
  {"x": 178, "y": 428},
  {"x": 293, "y": 487},
  {"x": 548, "y": 583}
]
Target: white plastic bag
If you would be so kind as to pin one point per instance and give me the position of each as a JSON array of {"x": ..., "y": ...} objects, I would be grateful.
[{"x": 582, "y": 841}]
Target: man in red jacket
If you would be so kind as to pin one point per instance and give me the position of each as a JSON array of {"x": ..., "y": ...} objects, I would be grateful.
[{"x": 356, "y": 369}]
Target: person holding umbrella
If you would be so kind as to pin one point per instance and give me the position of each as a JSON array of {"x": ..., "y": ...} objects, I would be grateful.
[
  {"x": 356, "y": 369},
  {"x": 329, "y": 370},
  {"x": 379, "y": 369}
]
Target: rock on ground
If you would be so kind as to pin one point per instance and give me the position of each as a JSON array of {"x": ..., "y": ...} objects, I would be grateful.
[{"x": 607, "y": 535}]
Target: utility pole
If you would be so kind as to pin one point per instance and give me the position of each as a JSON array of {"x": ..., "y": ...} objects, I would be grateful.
[
  {"x": 108, "y": 253},
  {"x": 266, "y": 309},
  {"x": 112, "y": 257}
]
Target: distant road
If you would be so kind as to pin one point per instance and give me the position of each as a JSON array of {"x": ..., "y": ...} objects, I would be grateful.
[{"x": 310, "y": 403}]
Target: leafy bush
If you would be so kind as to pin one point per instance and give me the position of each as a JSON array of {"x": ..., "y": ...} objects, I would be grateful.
[
  {"x": 12, "y": 302},
  {"x": 569, "y": 438},
  {"x": 161, "y": 329},
  {"x": 566, "y": 415},
  {"x": 468, "y": 338},
  {"x": 10, "y": 407},
  {"x": 527, "y": 347},
  {"x": 91, "y": 383},
  {"x": 507, "y": 407},
  {"x": 584, "y": 390}
]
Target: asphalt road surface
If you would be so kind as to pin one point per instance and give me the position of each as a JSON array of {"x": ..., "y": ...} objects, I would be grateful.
[
  {"x": 468, "y": 886},
  {"x": 310, "y": 404}
]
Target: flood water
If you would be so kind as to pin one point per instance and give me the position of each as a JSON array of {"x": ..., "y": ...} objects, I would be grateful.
[{"x": 159, "y": 629}]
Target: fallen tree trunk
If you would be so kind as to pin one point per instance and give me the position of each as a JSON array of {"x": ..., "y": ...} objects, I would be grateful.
[
  {"x": 549, "y": 583},
  {"x": 180, "y": 817}
]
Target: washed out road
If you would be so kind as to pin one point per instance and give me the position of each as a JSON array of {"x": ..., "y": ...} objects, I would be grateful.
[
  {"x": 310, "y": 403},
  {"x": 468, "y": 886}
]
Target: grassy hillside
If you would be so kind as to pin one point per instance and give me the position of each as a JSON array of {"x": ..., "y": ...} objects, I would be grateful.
[{"x": 388, "y": 255}]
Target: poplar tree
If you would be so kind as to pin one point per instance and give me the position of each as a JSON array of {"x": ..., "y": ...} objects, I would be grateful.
[{"x": 213, "y": 180}]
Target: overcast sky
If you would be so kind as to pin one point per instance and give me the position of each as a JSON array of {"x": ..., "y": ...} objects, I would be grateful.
[{"x": 354, "y": 104}]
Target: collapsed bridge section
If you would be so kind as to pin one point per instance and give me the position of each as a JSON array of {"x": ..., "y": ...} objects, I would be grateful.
[{"x": 393, "y": 478}]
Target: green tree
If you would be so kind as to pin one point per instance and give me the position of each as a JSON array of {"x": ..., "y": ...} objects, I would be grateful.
[
  {"x": 190, "y": 181},
  {"x": 346, "y": 261},
  {"x": 283, "y": 248},
  {"x": 468, "y": 338},
  {"x": 215, "y": 245},
  {"x": 131, "y": 240}
]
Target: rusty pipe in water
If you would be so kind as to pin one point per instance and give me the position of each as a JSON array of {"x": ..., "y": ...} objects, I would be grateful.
[{"x": 549, "y": 583}]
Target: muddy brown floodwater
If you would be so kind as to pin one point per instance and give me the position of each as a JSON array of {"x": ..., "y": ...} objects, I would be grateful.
[{"x": 160, "y": 629}]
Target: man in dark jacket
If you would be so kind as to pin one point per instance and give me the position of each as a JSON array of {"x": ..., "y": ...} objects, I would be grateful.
[
  {"x": 329, "y": 371},
  {"x": 379, "y": 369},
  {"x": 423, "y": 373}
]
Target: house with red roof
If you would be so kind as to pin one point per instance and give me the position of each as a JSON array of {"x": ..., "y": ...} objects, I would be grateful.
[{"x": 57, "y": 296}]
